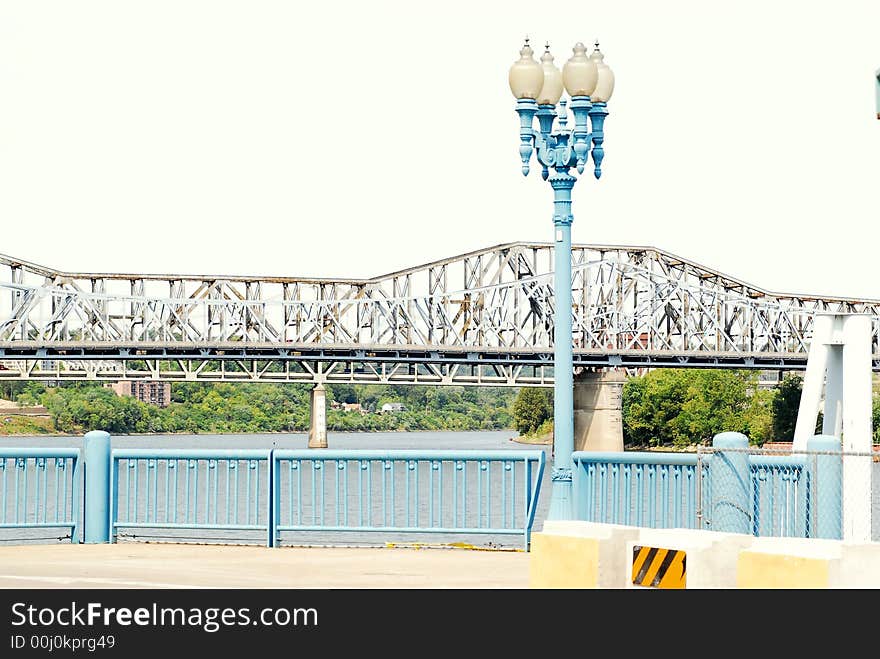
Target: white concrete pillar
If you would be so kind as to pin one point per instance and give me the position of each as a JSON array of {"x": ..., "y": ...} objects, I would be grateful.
[
  {"x": 832, "y": 414},
  {"x": 318, "y": 425},
  {"x": 811, "y": 392},
  {"x": 840, "y": 361},
  {"x": 857, "y": 429}
]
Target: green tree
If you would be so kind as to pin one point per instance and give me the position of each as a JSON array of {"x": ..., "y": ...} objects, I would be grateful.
[
  {"x": 262, "y": 407},
  {"x": 785, "y": 407},
  {"x": 30, "y": 394},
  {"x": 651, "y": 404},
  {"x": 759, "y": 416},
  {"x": 875, "y": 419},
  {"x": 531, "y": 408},
  {"x": 9, "y": 389},
  {"x": 681, "y": 407}
]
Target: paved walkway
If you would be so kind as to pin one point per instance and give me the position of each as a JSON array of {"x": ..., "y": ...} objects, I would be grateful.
[{"x": 143, "y": 565}]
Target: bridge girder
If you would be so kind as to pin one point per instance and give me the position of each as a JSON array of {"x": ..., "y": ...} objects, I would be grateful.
[{"x": 632, "y": 307}]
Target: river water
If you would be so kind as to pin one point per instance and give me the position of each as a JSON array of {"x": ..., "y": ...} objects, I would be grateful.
[{"x": 429, "y": 440}]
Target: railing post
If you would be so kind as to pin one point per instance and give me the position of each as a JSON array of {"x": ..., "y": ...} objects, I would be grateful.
[
  {"x": 824, "y": 495},
  {"x": 96, "y": 508},
  {"x": 730, "y": 508},
  {"x": 273, "y": 499}
]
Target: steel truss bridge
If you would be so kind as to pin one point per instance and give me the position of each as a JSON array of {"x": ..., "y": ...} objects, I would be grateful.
[{"x": 482, "y": 318}]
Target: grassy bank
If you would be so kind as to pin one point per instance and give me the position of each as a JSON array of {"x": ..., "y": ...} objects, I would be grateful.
[
  {"x": 543, "y": 434},
  {"x": 12, "y": 424}
]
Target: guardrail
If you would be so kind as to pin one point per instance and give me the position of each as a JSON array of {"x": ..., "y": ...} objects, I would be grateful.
[
  {"x": 280, "y": 491},
  {"x": 781, "y": 496},
  {"x": 456, "y": 492},
  {"x": 40, "y": 488},
  {"x": 657, "y": 490},
  {"x": 193, "y": 489},
  {"x": 729, "y": 487},
  {"x": 277, "y": 492}
]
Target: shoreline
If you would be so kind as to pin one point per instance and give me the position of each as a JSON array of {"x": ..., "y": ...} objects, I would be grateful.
[
  {"x": 256, "y": 432},
  {"x": 545, "y": 440}
]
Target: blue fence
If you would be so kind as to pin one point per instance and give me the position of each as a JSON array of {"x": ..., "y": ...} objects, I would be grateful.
[
  {"x": 742, "y": 491},
  {"x": 455, "y": 492},
  {"x": 656, "y": 490},
  {"x": 285, "y": 494},
  {"x": 464, "y": 493},
  {"x": 781, "y": 496},
  {"x": 196, "y": 489},
  {"x": 41, "y": 488},
  {"x": 165, "y": 492}
]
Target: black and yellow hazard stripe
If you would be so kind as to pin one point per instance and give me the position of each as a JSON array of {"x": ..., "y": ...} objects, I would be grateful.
[{"x": 656, "y": 567}]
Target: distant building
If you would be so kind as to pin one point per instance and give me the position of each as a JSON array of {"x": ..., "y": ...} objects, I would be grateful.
[
  {"x": 154, "y": 393},
  {"x": 353, "y": 407},
  {"x": 393, "y": 407},
  {"x": 770, "y": 379}
]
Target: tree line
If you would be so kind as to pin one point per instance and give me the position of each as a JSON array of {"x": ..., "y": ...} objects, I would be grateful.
[
  {"x": 683, "y": 407},
  {"x": 663, "y": 408},
  {"x": 198, "y": 407}
]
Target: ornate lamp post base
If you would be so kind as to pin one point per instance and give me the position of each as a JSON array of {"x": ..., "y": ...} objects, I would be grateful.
[{"x": 561, "y": 499}]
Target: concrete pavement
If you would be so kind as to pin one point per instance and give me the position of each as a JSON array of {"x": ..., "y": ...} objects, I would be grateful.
[{"x": 160, "y": 565}]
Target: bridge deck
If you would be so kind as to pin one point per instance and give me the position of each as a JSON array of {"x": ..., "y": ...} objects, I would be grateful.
[{"x": 143, "y": 565}]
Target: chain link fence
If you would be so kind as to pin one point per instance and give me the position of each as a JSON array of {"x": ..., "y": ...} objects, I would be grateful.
[
  {"x": 810, "y": 493},
  {"x": 785, "y": 493}
]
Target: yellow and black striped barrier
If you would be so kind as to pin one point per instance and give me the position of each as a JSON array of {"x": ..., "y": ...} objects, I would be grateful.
[{"x": 656, "y": 567}]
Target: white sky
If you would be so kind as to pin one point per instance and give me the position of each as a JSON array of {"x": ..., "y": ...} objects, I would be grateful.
[{"x": 354, "y": 138}]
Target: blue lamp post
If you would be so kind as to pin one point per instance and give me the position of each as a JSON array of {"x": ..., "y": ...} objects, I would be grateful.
[{"x": 538, "y": 89}]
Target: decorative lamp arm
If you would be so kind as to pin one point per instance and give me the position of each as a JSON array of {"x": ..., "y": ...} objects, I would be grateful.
[
  {"x": 597, "y": 119},
  {"x": 580, "y": 107},
  {"x": 526, "y": 109}
]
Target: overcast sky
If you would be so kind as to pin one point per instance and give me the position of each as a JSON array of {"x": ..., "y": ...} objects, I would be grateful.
[{"x": 355, "y": 138}]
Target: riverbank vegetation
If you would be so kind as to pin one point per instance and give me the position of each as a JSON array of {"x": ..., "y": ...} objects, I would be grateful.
[
  {"x": 252, "y": 408},
  {"x": 683, "y": 407},
  {"x": 663, "y": 408}
]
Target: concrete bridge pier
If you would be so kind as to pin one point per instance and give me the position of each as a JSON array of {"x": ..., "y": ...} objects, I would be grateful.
[
  {"x": 318, "y": 426},
  {"x": 598, "y": 410}
]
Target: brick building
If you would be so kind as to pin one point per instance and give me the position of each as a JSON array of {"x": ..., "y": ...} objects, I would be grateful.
[{"x": 155, "y": 393}]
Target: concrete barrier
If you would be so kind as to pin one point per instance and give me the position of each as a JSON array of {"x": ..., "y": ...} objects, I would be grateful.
[
  {"x": 576, "y": 554},
  {"x": 808, "y": 563},
  {"x": 684, "y": 558}
]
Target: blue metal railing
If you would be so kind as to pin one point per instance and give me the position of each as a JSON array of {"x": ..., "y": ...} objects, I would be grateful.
[
  {"x": 456, "y": 492},
  {"x": 780, "y": 496},
  {"x": 194, "y": 489},
  {"x": 40, "y": 488},
  {"x": 681, "y": 490},
  {"x": 322, "y": 490},
  {"x": 656, "y": 490}
]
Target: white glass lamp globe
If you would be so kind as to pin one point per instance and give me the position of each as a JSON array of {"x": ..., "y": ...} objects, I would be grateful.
[
  {"x": 551, "y": 91},
  {"x": 605, "y": 83},
  {"x": 526, "y": 76},
  {"x": 579, "y": 73}
]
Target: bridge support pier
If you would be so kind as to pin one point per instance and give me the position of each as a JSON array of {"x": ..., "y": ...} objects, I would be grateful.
[
  {"x": 318, "y": 426},
  {"x": 598, "y": 410}
]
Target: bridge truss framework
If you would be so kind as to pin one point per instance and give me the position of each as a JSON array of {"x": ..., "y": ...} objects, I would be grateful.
[{"x": 482, "y": 318}]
